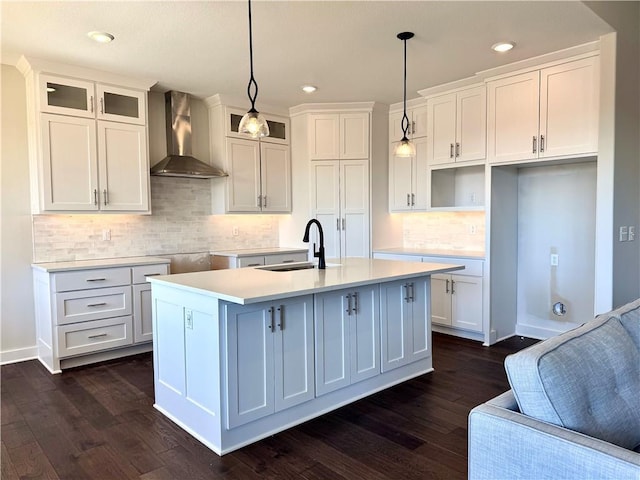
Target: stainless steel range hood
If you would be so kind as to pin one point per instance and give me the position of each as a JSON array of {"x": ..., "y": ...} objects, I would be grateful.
[{"x": 179, "y": 162}]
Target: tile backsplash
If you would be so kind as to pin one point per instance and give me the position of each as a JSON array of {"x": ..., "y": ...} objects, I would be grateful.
[
  {"x": 445, "y": 230},
  {"x": 180, "y": 223}
]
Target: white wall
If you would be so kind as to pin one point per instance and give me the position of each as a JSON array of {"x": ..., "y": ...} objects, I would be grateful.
[
  {"x": 556, "y": 215},
  {"x": 17, "y": 324}
]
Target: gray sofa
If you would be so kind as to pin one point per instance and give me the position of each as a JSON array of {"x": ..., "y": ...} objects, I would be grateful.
[{"x": 573, "y": 411}]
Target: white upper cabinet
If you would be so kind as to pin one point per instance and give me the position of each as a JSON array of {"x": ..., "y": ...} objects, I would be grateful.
[
  {"x": 88, "y": 140},
  {"x": 275, "y": 178},
  {"x": 278, "y": 126},
  {"x": 334, "y": 136},
  {"x": 457, "y": 126},
  {"x": 408, "y": 179},
  {"x": 546, "y": 113},
  {"x": 416, "y": 128},
  {"x": 82, "y": 98}
]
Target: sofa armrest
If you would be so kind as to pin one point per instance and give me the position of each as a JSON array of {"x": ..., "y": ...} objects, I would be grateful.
[{"x": 505, "y": 444}]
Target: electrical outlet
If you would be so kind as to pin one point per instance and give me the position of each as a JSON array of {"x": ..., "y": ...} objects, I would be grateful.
[
  {"x": 235, "y": 232},
  {"x": 188, "y": 317},
  {"x": 554, "y": 259},
  {"x": 623, "y": 235},
  {"x": 473, "y": 198},
  {"x": 472, "y": 229},
  {"x": 632, "y": 233},
  {"x": 106, "y": 235}
]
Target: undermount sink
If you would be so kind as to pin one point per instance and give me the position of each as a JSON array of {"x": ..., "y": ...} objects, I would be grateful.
[{"x": 290, "y": 267}]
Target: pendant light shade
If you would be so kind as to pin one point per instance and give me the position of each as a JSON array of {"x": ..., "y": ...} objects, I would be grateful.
[
  {"x": 405, "y": 148},
  {"x": 253, "y": 122}
]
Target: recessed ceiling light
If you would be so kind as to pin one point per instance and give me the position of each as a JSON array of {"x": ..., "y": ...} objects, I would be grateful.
[
  {"x": 309, "y": 88},
  {"x": 502, "y": 47},
  {"x": 101, "y": 37}
]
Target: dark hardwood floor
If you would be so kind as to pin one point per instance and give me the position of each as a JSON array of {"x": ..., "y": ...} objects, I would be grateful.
[{"x": 98, "y": 422}]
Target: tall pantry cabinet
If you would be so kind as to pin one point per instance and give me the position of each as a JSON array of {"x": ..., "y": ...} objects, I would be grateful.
[
  {"x": 338, "y": 141},
  {"x": 88, "y": 144}
]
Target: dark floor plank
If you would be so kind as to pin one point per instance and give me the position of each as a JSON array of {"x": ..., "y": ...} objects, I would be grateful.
[{"x": 98, "y": 422}]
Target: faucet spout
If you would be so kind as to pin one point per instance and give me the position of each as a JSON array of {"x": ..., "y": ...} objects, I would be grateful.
[{"x": 322, "y": 264}]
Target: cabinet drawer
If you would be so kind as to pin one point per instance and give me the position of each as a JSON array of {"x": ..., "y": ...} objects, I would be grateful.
[
  {"x": 397, "y": 256},
  {"x": 250, "y": 261},
  {"x": 81, "y": 306},
  {"x": 141, "y": 273},
  {"x": 85, "y": 279},
  {"x": 285, "y": 258},
  {"x": 93, "y": 336},
  {"x": 472, "y": 268}
]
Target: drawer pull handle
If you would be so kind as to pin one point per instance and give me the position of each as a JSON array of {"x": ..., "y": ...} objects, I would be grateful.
[
  {"x": 96, "y": 279},
  {"x": 152, "y": 274},
  {"x": 101, "y": 304},
  {"x": 288, "y": 261},
  {"x": 254, "y": 265},
  {"x": 98, "y": 335}
]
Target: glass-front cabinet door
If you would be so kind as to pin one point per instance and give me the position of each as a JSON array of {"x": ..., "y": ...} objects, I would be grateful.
[
  {"x": 67, "y": 96},
  {"x": 278, "y": 126},
  {"x": 121, "y": 105}
]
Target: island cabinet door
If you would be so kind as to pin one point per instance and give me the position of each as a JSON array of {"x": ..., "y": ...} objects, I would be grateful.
[
  {"x": 293, "y": 352},
  {"x": 405, "y": 322},
  {"x": 249, "y": 358},
  {"x": 364, "y": 329}
]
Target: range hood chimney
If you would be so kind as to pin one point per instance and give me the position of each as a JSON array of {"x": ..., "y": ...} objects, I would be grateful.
[{"x": 179, "y": 162}]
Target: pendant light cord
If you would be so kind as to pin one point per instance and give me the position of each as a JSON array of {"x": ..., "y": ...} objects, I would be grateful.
[
  {"x": 405, "y": 119},
  {"x": 252, "y": 81}
]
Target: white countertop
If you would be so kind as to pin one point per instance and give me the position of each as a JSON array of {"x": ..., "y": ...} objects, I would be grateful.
[
  {"x": 251, "y": 285},
  {"x": 102, "y": 263},
  {"x": 430, "y": 252},
  {"x": 249, "y": 252}
]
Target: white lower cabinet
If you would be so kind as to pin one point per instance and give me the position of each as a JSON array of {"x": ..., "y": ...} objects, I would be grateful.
[
  {"x": 347, "y": 333},
  {"x": 457, "y": 301},
  {"x": 90, "y": 311},
  {"x": 269, "y": 352},
  {"x": 405, "y": 330}
]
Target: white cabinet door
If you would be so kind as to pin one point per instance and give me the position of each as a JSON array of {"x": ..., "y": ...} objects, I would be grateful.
[
  {"x": 419, "y": 122},
  {"x": 569, "y": 106},
  {"x": 142, "y": 319},
  {"x": 293, "y": 348},
  {"x": 250, "y": 357},
  {"x": 354, "y": 208},
  {"x": 441, "y": 299},
  {"x": 325, "y": 205},
  {"x": 324, "y": 136},
  {"x": 471, "y": 124},
  {"x": 354, "y": 135},
  {"x": 406, "y": 332},
  {"x": 275, "y": 175},
  {"x": 347, "y": 337},
  {"x": 332, "y": 341},
  {"x": 420, "y": 188},
  {"x": 123, "y": 166},
  {"x": 67, "y": 96},
  {"x": 121, "y": 104},
  {"x": 513, "y": 118},
  {"x": 400, "y": 182},
  {"x": 442, "y": 128},
  {"x": 70, "y": 167},
  {"x": 243, "y": 184},
  {"x": 466, "y": 302}
]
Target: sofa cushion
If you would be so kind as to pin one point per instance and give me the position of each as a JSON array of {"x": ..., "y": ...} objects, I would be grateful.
[
  {"x": 587, "y": 380},
  {"x": 629, "y": 316}
]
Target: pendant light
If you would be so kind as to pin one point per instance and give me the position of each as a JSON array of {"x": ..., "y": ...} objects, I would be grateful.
[
  {"x": 253, "y": 122},
  {"x": 405, "y": 148}
]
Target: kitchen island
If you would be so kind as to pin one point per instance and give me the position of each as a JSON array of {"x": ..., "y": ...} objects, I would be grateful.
[{"x": 245, "y": 353}]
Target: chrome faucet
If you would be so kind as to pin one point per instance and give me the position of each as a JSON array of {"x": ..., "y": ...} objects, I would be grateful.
[{"x": 322, "y": 264}]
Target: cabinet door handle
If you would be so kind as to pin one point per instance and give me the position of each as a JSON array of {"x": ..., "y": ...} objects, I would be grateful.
[
  {"x": 98, "y": 335},
  {"x": 413, "y": 199},
  {"x": 356, "y": 306},
  {"x": 106, "y": 196},
  {"x": 542, "y": 143},
  {"x": 338, "y": 224},
  {"x": 348, "y": 304},
  {"x": 264, "y": 203},
  {"x": 408, "y": 200},
  {"x": 259, "y": 201},
  {"x": 451, "y": 150},
  {"x": 91, "y": 103},
  {"x": 95, "y": 196},
  {"x": 102, "y": 105},
  {"x": 453, "y": 283},
  {"x": 413, "y": 127},
  {"x": 411, "y": 297},
  {"x": 344, "y": 224},
  {"x": 457, "y": 149},
  {"x": 281, "y": 311},
  {"x": 446, "y": 288},
  {"x": 152, "y": 274},
  {"x": 535, "y": 141},
  {"x": 101, "y": 304},
  {"x": 406, "y": 292},
  {"x": 271, "y": 319},
  {"x": 96, "y": 279}
]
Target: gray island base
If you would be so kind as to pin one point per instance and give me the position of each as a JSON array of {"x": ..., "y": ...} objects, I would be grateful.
[{"x": 242, "y": 354}]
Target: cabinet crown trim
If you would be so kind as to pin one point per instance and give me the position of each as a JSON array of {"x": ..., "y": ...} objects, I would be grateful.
[{"x": 347, "y": 107}]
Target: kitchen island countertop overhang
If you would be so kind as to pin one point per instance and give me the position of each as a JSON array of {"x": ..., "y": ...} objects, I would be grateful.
[{"x": 251, "y": 285}]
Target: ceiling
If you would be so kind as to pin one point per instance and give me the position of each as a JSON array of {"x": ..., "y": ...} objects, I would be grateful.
[{"x": 349, "y": 50}]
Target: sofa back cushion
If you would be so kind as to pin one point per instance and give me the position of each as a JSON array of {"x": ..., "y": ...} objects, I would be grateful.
[{"x": 587, "y": 380}]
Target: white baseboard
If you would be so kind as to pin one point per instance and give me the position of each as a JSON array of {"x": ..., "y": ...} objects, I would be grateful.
[{"x": 18, "y": 355}]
